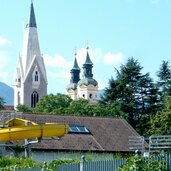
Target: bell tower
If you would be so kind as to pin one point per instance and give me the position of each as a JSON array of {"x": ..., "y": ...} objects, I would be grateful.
[
  {"x": 30, "y": 78},
  {"x": 75, "y": 77},
  {"x": 88, "y": 86}
]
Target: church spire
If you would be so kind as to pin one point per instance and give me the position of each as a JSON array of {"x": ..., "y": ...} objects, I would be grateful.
[
  {"x": 88, "y": 60},
  {"x": 75, "y": 71},
  {"x": 75, "y": 67},
  {"x": 87, "y": 66},
  {"x": 32, "y": 19}
]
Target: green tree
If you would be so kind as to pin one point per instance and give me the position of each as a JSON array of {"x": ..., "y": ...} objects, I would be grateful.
[
  {"x": 161, "y": 122},
  {"x": 80, "y": 107},
  {"x": 164, "y": 82},
  {"x": 23, "y": 108},
  {"x": 84, "y": 107},
  {"x": 54, "y": 104},
  {"x": 2, "y": 102},
  {"x": 134, "y": 93}
]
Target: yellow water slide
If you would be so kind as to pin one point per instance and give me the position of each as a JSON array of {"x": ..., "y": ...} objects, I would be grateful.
[{"x": 18, "y": 129}]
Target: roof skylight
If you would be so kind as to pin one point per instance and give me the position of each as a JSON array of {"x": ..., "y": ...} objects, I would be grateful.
[{"x": 78, "y": 129}]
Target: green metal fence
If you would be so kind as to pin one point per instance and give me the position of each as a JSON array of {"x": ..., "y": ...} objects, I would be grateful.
[{"x": 107, "y": 165}]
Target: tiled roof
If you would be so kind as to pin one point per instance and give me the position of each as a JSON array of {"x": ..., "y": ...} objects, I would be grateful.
[{"x": 107, "y": 134}]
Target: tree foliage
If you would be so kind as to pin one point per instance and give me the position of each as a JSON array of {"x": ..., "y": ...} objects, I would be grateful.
[
  {"x": 2, "y": 102},
  {"x": 161, "y": 122},
  {"x": 62, "y": 104},
  {"x": 23, "y": 108},
  {"x": 80, "y": 107},
  {"x": 142, "y": 164},
  {"x": 164, "y": 82},
  {"x": 83, "y": 107},
  {"x": 54, "y": 104},
  {"x": 134, "y": 92}
]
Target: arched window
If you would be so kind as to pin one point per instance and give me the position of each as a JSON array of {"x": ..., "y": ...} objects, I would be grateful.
[
  {"x": 36, "y": 77},
  {"x": 90, "y": 96},
  {"x": 34, "y": 98}
]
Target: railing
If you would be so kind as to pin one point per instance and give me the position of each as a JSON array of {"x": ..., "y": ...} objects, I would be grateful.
[{"x": 107, "y": 165}]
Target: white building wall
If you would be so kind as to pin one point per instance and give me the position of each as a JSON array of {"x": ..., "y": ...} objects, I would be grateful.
[
  {"x": 89, "y": 93},
  {"x": 72, "y": 94}
]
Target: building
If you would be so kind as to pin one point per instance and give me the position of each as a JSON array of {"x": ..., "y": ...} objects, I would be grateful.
[
  {"x": 95, "y": 135},
  {"x": 30, "y": 78},
  {"x": 87, "y": 87}
]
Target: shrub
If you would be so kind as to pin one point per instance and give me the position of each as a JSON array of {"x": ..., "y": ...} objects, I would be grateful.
[{"x": 142, "y": 164}]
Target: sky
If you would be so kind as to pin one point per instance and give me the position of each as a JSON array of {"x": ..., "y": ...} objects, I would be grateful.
[{"x": 113, "y": 29}]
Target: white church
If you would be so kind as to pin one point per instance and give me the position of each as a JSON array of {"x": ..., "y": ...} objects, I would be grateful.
[
  {"x": 31, "y": 80},
  {"x": 87, "y": 87}
]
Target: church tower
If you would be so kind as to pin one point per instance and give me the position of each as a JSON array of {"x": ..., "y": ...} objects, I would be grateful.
[
  {"x": 75, "y": 77},
  {"x": 30, "y": 78},
  {"x": 88, "y": 87}
]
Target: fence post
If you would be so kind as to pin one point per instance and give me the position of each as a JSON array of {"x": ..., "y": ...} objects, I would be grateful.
[{"x": 82, "y": 163}]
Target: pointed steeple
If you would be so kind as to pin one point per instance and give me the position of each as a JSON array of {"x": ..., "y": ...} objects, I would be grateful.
[
  {"x": 88, "y": 60},
  {"x": 75, "y": 72},
  {"x": 87, "y": 66},
  {"x": 32, "y": 19},
  {"x": 75, "y": 67}
]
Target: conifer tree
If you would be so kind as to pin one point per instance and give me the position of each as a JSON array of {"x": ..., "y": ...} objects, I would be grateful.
[
  {"x": 134, "y": 92},
  {"x": 164, "y": 82},
  {"x": 2, "y": 102}
]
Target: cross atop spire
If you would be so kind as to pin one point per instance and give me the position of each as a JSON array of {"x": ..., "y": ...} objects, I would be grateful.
[
  {"x": 87, "y": 45},
  {"x": 75, "y": 53},
  {"x": 32, "y": 19}
]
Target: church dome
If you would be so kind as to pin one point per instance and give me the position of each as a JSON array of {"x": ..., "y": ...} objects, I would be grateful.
[
  {"x": 72, "y": 86},
  {"x": 87, "y": 81}
]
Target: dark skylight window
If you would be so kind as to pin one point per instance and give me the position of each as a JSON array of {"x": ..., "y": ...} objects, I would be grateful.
[{"x": 78, "y": 129}]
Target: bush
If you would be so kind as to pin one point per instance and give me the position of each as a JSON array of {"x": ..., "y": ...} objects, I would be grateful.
[
  {"x": 141, "y": 164},
  {"x": 10, "y": 164}
]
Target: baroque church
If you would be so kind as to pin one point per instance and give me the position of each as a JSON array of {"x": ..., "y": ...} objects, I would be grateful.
[
  {"x": 30, "y": 78},
  {"x": 31, "y": 81},
  {"x": 87, "y": 87}
]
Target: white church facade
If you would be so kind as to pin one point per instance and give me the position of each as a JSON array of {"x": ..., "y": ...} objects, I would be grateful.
[
  {"x": 87, "y": 87},
  {"x": 30, "y": 80}
]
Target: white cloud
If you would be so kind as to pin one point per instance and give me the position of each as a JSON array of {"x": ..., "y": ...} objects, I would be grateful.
[
  {"x": 58, "y": 61},
  {"x": 58, "y": 67},
  {"x": 111, "y": 59},
  {"x": 59, "y": 74},
  {"x": 4, "y": 41}
]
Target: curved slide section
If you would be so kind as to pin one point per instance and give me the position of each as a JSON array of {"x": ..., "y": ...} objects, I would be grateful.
[{"x": 33, "y": 131}]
